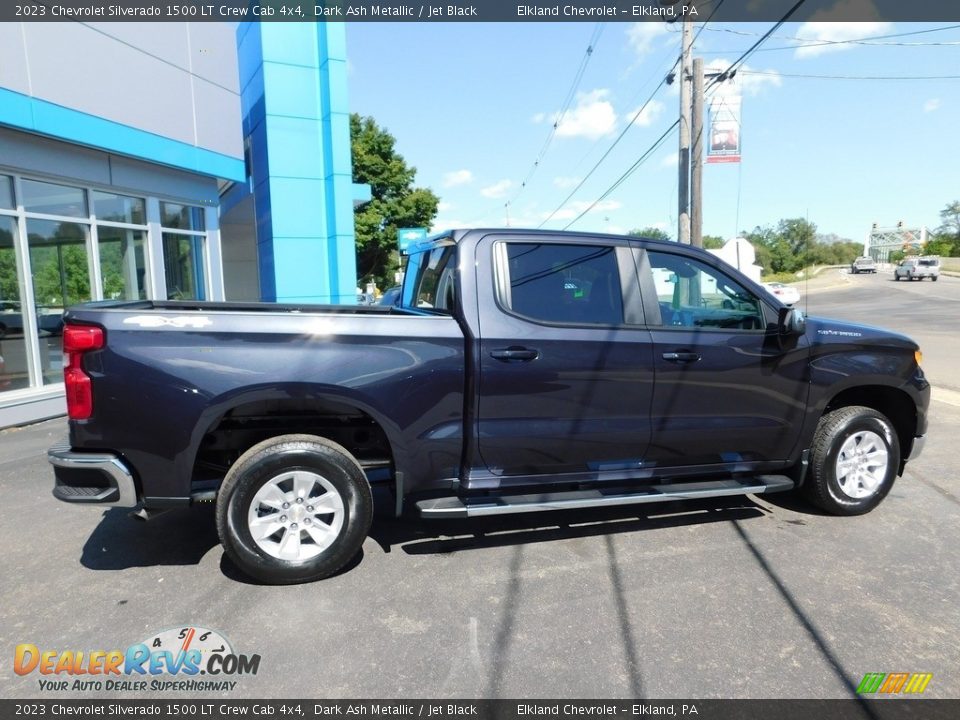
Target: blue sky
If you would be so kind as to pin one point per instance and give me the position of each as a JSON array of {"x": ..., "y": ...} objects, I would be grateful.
[{"x": 471, "y": 106}]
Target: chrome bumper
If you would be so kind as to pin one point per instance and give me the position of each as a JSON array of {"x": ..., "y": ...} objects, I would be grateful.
[{"x": 97, "y": 478}]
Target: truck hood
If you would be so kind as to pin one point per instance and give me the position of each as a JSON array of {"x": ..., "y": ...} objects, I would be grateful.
[{"x": 824, "y": 331}]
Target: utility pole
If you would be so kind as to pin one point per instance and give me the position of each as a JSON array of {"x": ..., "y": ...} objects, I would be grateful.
[
  {"x": 696, "y": 168},
  {"x": 683, "y": 231}
]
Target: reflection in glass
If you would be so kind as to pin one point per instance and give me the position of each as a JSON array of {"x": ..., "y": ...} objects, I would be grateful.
[
  {"x": 183, "y": 217},
  {"x": 6, "y": 193},
  {"x": 13, "y": 345},
  {"x": 119, "y": 208},
  {"x": 43, "y": 197},
  {"x": 183, "y": 262},
  {"x": 122, "y": 264},
  {"x": 58, "y": 260}
]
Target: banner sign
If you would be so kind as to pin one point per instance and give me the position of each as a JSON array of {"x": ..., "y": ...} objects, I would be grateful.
[{"x": 724, "y": 133}]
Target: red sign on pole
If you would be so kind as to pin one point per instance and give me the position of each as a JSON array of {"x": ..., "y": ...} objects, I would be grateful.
[{"x": 724, "y": 145}]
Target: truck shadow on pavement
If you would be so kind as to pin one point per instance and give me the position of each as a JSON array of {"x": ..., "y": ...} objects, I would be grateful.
[{"x": 185, "y": 536}]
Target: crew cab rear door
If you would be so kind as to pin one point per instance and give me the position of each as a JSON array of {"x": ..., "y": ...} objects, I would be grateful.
[
  {"x": 565, "y": 363},
  {"x": 729, "y": 391}
]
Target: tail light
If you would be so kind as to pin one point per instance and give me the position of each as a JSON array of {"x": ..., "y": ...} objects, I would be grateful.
[{"x": 77, "y": 340}]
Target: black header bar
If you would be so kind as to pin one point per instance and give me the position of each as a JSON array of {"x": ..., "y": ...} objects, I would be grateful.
[{"x": 476, "y": 11}]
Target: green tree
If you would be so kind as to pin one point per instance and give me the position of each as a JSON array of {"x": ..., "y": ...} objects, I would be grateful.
[
  {"x": 650, "y": 232},
  {"x": 800, "y": 236},
  {"x": 713, "y": 242},
  {"x": 396, "y": 202},
  {"x": 950, "y": 219}
]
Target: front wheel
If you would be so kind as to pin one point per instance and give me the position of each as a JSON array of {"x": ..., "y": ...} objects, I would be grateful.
[
  {"x": 853, "y": 461},
  {"x": 294, "y": 508}
]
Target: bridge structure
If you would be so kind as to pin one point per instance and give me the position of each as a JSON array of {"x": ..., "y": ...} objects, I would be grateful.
[{"x": 880, "y": 242}]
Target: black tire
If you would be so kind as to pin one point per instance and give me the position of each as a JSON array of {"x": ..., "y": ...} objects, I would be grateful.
[
  {"x": 824, "y": 488},
  {"x": 265, "y": 463},
  {"x": 935, "y": 278}
]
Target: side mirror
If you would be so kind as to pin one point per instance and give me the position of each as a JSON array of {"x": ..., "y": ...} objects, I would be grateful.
[{"x": 792, "y": 321}]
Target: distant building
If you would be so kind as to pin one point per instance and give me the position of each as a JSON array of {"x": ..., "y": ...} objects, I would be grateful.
[{"x": 165, "y": 161}]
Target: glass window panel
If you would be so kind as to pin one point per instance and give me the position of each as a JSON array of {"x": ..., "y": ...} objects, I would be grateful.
[
  {"x": 6, "y": 193},
  {"x": 119, "y": 208},
  {"x": 14, "y": 374},
  {"x": 183, "y": 265},
  {"x": 693, "y": 294},
  {"x": 43, "y": 197},
  {"x": 61, "y": 278},
  {"x": 562, "y": 283},
  {"x": 122, "y": 263},
  {"x": 183, "y": 217}
]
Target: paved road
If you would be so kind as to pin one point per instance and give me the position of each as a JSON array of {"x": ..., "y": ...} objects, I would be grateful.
[
  {"x": 726, "y": 598},
  {"x": 927, "y": 311}
]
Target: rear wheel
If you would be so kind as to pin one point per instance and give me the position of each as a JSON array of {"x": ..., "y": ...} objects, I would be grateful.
[
  {"x": 853, "y": 461},
  {"x": 293, "y": 509}
]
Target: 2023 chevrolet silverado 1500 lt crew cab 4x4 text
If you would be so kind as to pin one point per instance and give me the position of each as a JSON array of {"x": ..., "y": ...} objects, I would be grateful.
[{"x": 518, "y": 371}]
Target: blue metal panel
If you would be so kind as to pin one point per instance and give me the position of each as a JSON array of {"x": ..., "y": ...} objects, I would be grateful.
[
  {"x": 27, "y": 113},
  {"x": 296, "y": 118}
]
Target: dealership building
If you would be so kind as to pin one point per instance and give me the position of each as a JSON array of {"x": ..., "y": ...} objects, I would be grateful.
[{"x": 193, "y": 161}]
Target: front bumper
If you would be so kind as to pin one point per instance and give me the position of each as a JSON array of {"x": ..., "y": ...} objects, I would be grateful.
[{"x": 91, "y": 478}]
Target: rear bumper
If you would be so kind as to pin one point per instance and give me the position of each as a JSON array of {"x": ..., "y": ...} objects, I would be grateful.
[{"x": 91, "y": 478}]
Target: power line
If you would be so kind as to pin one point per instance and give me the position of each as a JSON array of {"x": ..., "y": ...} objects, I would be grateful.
[
  {"x": 619, "y": 181},
  {"x": 609, "y": 150},
  {"x": 564, "y": 108},
  {"x": 851, "y": 77},
  {"x": 753, "y": 48},
  {"x": 812, "y": 42}
]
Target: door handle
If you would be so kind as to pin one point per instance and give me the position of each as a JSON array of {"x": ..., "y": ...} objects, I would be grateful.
[
  {"x": 515, "y": 353},
  {"x": 682, "y": 357}
]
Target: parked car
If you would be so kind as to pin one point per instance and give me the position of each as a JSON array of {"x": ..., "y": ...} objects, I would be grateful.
[
  {"x": 391, "y": 296},
  {"x": 787, "y": 294},
  {"x": 508, "y": 394},
  {"x": 918, "y": 268},
  {"x": 863, "y": 264}
]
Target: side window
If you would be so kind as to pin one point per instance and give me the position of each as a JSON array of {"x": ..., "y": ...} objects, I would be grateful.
[
  {"x": 561, "y": 283},
  {"x": 434, "y": 275},
  {"x": 694, "y": 294}
]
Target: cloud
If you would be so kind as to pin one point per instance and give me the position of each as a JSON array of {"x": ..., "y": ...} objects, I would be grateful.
[
  {"x": 538, "y": 118},
  {"x": 497, "y": 190},
  {"x": 670, "y": 161},
  {"x": 444, "y": 206},
  {"x": 649, "y": 114},
  {"x": 457, "y": 177},
  {"x": 592, "y": 117},
  {"x": 441, "y": 224},
  {"x": 931, "y": 105},
  {"x": 577, "y": 207},
  {"x": 831, "y": 26},
  {"x": 643, "y": 36},
  {"x": 564, "y": 182}
]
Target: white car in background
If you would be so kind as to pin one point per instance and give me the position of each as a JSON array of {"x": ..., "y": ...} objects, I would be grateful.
[{"x": 787, "y": 294}]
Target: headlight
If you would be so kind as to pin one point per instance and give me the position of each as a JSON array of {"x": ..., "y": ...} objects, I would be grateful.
[{"x": 918, "y": 356}]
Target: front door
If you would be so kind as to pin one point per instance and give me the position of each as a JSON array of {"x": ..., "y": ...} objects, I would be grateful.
[{"x": 729, "y": 390}]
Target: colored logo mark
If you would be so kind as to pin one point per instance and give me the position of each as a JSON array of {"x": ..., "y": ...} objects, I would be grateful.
[{"x": 893, "y": 683}]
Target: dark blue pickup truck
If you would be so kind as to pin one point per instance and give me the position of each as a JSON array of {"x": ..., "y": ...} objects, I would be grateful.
[{"x": 518, "y": 371}]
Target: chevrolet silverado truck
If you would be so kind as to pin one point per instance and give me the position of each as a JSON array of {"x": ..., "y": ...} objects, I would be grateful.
[{"x": 518, "y": 371}]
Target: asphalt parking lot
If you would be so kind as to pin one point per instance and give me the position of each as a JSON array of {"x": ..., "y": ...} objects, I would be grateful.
[{"x": 741, "y": 597}]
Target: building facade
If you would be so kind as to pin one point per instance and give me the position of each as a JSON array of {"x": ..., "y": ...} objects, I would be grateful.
[{"x": 144, "y": 161}]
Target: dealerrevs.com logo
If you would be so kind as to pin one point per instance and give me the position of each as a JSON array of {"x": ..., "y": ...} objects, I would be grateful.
[{"x": 171, "y": 660}]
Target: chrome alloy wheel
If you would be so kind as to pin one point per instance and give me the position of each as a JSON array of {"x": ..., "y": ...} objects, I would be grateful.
[
  {"x": 296, "y": 515},
  {"x": 862, "y": 464}
]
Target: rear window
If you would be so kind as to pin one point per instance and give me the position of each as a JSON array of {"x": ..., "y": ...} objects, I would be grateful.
[
  {"x": 929, "y": 263},
  {"x": 430, "y": 282}
]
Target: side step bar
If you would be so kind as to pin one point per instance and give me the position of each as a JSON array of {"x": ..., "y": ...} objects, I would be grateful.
[{"x": 456, "y": 507}]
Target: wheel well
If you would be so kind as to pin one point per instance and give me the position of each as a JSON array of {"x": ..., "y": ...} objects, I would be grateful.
[
  {"x": 245, "y": 425},
  {"x": 895, "y": 404}
]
